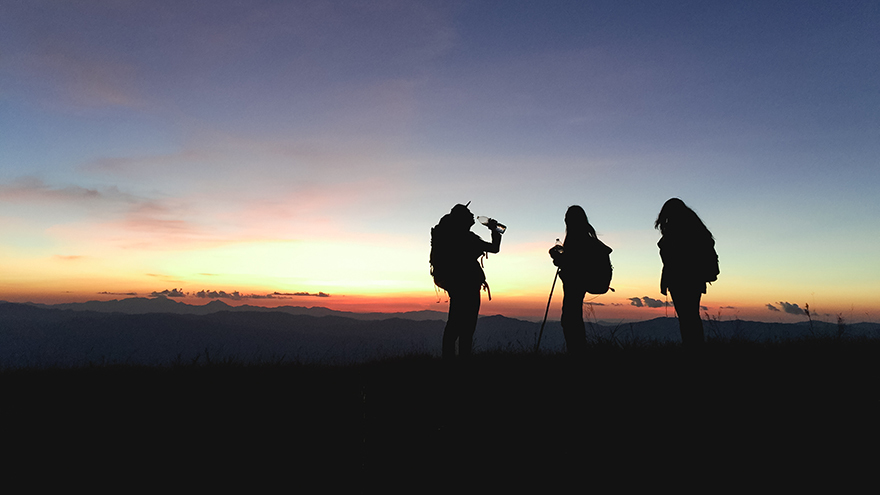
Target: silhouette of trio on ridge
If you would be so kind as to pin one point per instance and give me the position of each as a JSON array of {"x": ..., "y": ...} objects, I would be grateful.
[{"x": 687, "y": 250}]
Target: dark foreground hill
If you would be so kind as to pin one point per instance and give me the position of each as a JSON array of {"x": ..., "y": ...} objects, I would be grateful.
[{"x": 647, "y": 417}]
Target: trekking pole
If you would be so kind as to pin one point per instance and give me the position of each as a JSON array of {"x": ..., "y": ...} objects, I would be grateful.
[{"x": 537, "y": 345}]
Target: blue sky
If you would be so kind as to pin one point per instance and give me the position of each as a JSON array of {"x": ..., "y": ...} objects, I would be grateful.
[{"x": 310, "y": 146}]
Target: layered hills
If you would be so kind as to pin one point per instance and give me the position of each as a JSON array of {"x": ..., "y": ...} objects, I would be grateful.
[{"x": 161, "y": 331}]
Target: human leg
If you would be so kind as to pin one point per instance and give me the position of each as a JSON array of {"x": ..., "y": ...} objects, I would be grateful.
[
  {"x": 573, "y": 319},
  {"x": 687, "y": 306},
  {"x": 470, "y": 313},
  {"x": 464, "y": 307},
  {"x": 450, "y": 335},
  {"x": 453, "y": 326}
]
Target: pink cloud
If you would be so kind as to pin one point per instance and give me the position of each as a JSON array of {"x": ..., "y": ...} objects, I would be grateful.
[
  {"x": 68, "y": 258},
  {"x": 33, "y": 189}
]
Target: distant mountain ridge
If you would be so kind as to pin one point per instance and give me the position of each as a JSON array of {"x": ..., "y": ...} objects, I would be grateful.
[{"x": 161, "y": 304}]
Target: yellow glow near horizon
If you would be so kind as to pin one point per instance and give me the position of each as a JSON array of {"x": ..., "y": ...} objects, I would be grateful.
[{"x": 391, "y": 273}]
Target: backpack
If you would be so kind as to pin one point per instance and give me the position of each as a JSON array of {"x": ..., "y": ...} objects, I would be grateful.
[
  {"x": 439, "y": 259},
  {"x": 444, "y": 267},
  {"x": 598, "y": 277},
  {"x": 450, "y": 264}
]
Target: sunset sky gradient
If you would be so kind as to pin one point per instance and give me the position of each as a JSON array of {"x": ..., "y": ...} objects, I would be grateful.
[{"x": 300, "y": 147}]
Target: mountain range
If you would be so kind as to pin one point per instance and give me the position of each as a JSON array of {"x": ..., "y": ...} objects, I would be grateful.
[
  {"x": 161, "y": 331},
  {"x": 161, "y": 304}
]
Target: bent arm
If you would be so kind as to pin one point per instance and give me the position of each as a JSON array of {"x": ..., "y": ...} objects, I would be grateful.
[
  {"x": 481, "y": 246},
  {"x": 495, "y": 246}
]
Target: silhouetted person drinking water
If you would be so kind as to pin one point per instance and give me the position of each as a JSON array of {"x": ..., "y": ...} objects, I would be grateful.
[
  {"x": 455, "y": 253},
  {"x": 687, "y": 249},
  {"x": 584, "y": 267}
]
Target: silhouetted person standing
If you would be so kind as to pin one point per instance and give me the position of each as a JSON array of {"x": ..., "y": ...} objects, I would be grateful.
[
  {"x": 576, "y": 259},
  {"x": 687, "y": 249},
  {"x": 455, "y": 252}
]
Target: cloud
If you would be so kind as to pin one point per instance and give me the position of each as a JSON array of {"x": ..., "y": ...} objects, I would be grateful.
[
  {"x": 646, "y": 301},
  {"x": 653, "y": 303},
  {"x": 791, "y": 309},
  {"x": 237, "y": 296},
  {"x": 179, "y": 162},
  {"x": 178, "y": 229},
  {"x": 114, "y": 210},
  {"x": 704, "y": 308},
  {"x": 68, "y": 257},
  {"x": 105, "y": 293},
  {"x": 772, "y": 307},
  {"x": 32, "y": 189},
  {"x": 299, "y": 294},
  {"x": 169, "y": 293},
  {"x": 122, "y": 218},
  {"x": 212, "y": 294}
]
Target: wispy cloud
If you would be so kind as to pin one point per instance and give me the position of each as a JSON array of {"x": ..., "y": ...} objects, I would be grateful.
[
  {"x": 151, "y": 162},
  {"x": 124, "y": 211},
  {"x": 110, "y": 216},
  {"x": 32, "y": 189},
  {"x": 772, "y": 307},
  {"x": 68, "y": 257},
  {"x": 302, "y": 294},
  {"x": 237, "y": 296}
]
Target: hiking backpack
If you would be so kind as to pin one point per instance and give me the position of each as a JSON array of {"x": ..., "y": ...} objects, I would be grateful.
[
  {"x": 449, "y": 264},
  {"x": 598, "y": 277},
  {"x": 439, "y": 259}
]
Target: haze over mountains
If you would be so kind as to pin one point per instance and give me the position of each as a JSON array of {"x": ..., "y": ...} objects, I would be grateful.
[{"x": 162, "y": 332}]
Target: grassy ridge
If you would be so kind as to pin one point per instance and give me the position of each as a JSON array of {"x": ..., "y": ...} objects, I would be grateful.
[{"x": 612, "y": 417}]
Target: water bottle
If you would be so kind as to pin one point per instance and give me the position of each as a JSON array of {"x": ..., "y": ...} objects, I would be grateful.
[
  {"x": 498, "y": 227},
  {"x": 556, "y": 251}
]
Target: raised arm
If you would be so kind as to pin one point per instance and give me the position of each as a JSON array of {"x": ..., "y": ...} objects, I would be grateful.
[{"x": 495, "y": 245}]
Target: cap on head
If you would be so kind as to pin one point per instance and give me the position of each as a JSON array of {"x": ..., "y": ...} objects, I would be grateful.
[{"x": 461, "y": 210}]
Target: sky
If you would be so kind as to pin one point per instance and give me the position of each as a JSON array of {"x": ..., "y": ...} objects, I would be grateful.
[{"x": 298, "y": 153}]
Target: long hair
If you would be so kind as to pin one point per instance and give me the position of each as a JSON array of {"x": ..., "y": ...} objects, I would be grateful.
[
  {"x": 577, "y": 226},
  {"x": 677, "y": 218}
]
